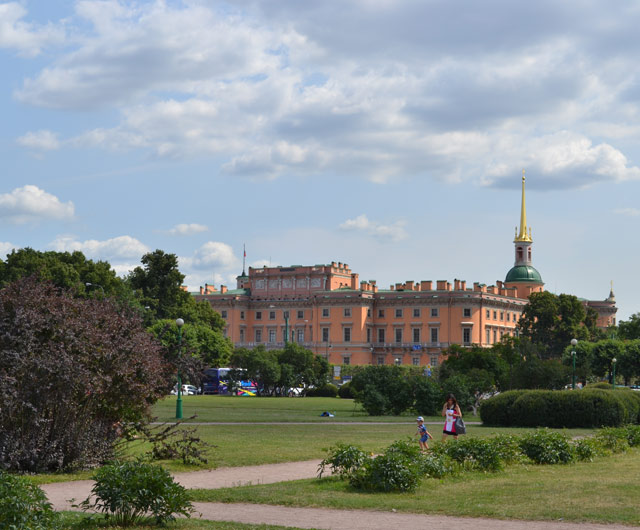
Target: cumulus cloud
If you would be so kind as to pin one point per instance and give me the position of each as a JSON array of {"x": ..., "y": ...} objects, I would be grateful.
[
  {"x": 420, "y": 90},
  {"x": 27, "y": 38},
  {"x": 31, "y": 204},
  {"x": 361, "y": 223},
  {"x": 117, "y": 248},
  {"x": 6, "y": 248},
  {"x": 187, "y": 229},
  {"x": 40, "y": 140},
  {"x": 211, "y": 255}
]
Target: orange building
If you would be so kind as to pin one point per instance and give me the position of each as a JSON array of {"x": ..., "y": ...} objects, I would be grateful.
[{"x": 327, "y": 309}]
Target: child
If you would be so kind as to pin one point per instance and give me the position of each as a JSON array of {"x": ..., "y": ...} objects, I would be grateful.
[{"x": 424, "y": 435}]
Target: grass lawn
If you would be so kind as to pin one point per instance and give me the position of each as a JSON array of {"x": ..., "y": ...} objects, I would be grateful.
[
  {"x": 605, "y": 491},
  {"x": 240, "y": 409}
]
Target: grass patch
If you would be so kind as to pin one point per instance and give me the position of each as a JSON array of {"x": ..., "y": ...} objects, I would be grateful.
[
  {"x": 241, "y": 409},
  {"x": 75, "y": 520},
  {"x": 604, "y": 491}
]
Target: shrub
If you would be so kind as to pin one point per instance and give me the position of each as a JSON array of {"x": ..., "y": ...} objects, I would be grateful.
[
  {"x": 391, "y": 471},
  {"x": 633, "y": 435},
  {"x": 344, "y": 391},
  {"x": 497, "y": 410},
  {"x": 24, "y": 505},
  {"x": 546, "y": 447},
  {"x": 474, "y": 453},
  {"x": 343, "y": 459},
  {"x": 373, "y": 402},
  {"x": 508, "y": 448},
  {"x": 128, "y": 492},
  {"x": 327, "y": 390},
  {"x": 435, "y": 465},
  {"x": 586, "y": 449},
  {"x": 615, "y": 439},
  {"x": 601, "y": 385}
]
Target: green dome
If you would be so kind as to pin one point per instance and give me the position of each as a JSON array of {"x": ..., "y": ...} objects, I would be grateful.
[{"x": 523, "y": 273}]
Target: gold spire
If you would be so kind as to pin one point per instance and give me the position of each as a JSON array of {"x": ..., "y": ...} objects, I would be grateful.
[{"x": 523, "y": 235}]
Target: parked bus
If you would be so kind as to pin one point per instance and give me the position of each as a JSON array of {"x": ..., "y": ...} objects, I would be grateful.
[{"x": 218, "y": 381}]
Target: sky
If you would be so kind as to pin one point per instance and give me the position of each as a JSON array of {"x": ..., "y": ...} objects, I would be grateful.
[{"x": 390, "y": 135}]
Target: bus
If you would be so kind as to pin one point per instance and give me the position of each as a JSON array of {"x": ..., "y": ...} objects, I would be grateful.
[{"x": 218, "y": 381}]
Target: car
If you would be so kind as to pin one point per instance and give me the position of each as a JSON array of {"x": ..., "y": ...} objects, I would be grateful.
[{"x": 187, "y": 390}]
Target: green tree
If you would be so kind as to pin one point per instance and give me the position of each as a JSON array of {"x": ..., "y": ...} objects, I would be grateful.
[
  {"x": 604, "y": 352},
  {"x": 550, "y": 321},
  {"x": 259, "y": 365},
  {"x": 629, "y": 329}
]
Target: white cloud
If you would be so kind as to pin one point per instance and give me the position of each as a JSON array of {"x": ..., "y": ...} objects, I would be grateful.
[
  {"x": 6, "y": 248},
  {"x": 40, "y": 140},
  {"x": 28, "y": 39},
  {"x": 117, "y": 248},
  {"x": 394, "y": 232},
  {"x": 211, "y": 255},
  {"x": 631, "y": 212},
  {"x": 30, "y": 204},
  {"x": 187, "y": 229}
]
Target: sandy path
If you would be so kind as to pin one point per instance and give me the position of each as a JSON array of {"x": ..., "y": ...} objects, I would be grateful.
[{"x": 59, "y": 494}]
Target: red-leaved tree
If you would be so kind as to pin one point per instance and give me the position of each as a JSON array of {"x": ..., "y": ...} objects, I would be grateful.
[{"x": 71, "y": 371}]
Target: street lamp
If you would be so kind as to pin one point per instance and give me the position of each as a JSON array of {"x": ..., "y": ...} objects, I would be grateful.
[
  {"x": 328, "y": 345},
  {"x": 573, "y": 356},
  {"x": 89, "y": 284},
  {"x": 614, "y": 361},
  {"x": 179, "y": 323}
]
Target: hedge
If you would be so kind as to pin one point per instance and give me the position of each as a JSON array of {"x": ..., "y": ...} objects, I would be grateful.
[{"x": 561, "y": 408}]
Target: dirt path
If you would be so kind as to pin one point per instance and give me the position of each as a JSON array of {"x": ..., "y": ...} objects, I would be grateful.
[{"x": 59, "y": 494}]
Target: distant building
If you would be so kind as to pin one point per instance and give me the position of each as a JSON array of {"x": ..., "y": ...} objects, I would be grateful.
[{"x": 327, "y": 309}]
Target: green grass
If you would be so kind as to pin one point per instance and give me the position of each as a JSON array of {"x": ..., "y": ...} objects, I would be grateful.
[
  {"x": 75, "y": 520},
  {"x": 605, "y": 491},
  {"x": 239, "y": 409}
]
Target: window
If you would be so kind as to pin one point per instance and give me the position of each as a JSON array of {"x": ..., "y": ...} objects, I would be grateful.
[
  {"x": 223, "y": 314},
  {"x": 301, "y": 335},
  {"x": 242, "y": 335},
  {"x": 416, "y": 313},
  {"x": 466, "y": 335},
  {"x": 242, "y": 315},
  {"x": 325, "y": 334},
  {"x": 368, "y": 334},
  {"x": 501, "y": 315},
  {"x": 285, "y": 314},
  {"x": 346, "y": 361},
  {"x": 416, "y": 334},
  {"x": 380, "y": 359},
  {"x": 488, "y": 331},
  {"x": 495, "y": 336},
  {"x": 272, "y": 315},
  {"x": 272, "y": 335},
  {"x": 381, "y": 335},
  {"x": 380, "y": 313},
  {"x": 325, "y": 312},
  {"x": 258, "y": 315},
  {"x": 398, "y": 313},
  {"x": 284, "y": 334},
  {"x": 347, "y": 334},
  {"x": 508, "y": 316},
  {"x": 466, "y": 312},
  {"x": 434, "y": 334},
  {"x": 398, "y": 334},
  {"x": 368, "y": 312},
  {"x": 300, "y": 315},
  {"x": 415, "y": 361},
  {"x": 434, "y": 312},
  {"x": 488, "y": 314},
  {"x": 258, "y": 335},
  {"x": 495, "y": 315},
  {"x": 347, "y": 311},
  {"x": 434, "y": 360}
]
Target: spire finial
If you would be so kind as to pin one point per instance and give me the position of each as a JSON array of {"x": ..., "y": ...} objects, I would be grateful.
[{"x": 523, "y": 235}]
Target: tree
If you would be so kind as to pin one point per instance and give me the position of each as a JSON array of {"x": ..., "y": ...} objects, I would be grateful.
[
  {"x": 71, "y": 371},
  {"x": 259, "y": 365},
  {"x": 550, "y": 321},
  {"x": 630, "y": 329},
  {"x": 604, "y": 352}
]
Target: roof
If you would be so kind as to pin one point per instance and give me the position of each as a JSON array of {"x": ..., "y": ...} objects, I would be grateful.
[{"x": 523, "y": 273}]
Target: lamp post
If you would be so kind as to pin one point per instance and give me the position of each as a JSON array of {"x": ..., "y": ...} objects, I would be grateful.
[
  {"x": 179, "y": 323},
  {"x": 614, "y": 361},
  {"x": 326, "y": 353},
  {"x": 573, "y": 356}
]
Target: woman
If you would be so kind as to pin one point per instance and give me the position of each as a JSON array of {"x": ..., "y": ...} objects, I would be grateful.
[{"x": 450, "y": 411}]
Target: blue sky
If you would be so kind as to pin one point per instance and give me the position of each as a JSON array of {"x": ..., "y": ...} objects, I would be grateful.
[{"x": 389, "y": 135}]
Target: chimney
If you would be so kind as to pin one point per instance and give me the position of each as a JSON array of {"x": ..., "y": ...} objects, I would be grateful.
[
  {"x": 223, "y": 289},
  {"x": 442, "y": 285},
  {"x": 426, "y": 285}
]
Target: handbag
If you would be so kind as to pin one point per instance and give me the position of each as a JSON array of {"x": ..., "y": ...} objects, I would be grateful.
[{"x": 461, "y": 428}]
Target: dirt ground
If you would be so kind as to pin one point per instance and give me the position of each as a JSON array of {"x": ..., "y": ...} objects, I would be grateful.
[{"x": 60, "y": 493}]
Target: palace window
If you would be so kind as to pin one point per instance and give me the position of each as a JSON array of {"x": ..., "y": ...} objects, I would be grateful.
[
  {"x": 416, "y": 334},
  {"x": 466, "y": 335},
  {"x": 398, "y": 335},
  {"x": 258, "y": 315},
  {"x": 435, "y": 312},
  {"x": 347, "y": 311},
  {"x": 325, "y": 334},
  {"x": 272, "y": 315},
  {"x": 466, "y": 312},
  {"x": 300, "y": 315},
  {"x": 272, "y": 335},
  {"x": 380, "y": 313},
  {"x": 325, "y": 312},
  {"x": 347, "y": 334},
  {"x": 381, "y": 335},
  {"x": 434, "y": 335},
  {"x": 258, "y": 335},
  {"x": 223, "y": 314},
  {"x": 398, "y": 313},
  {"x": 416, "y": 313}
]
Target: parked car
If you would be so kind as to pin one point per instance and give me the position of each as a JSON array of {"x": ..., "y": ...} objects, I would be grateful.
[{"x": 187, "y": 390}]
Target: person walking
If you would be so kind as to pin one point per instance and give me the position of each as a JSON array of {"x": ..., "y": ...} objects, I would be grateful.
[
  {"x": 423, "y": 434},
  {"x": 450, "y": 411}
]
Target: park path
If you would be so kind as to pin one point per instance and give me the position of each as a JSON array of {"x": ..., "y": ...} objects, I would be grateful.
[{"x": 60, "y": 493}]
